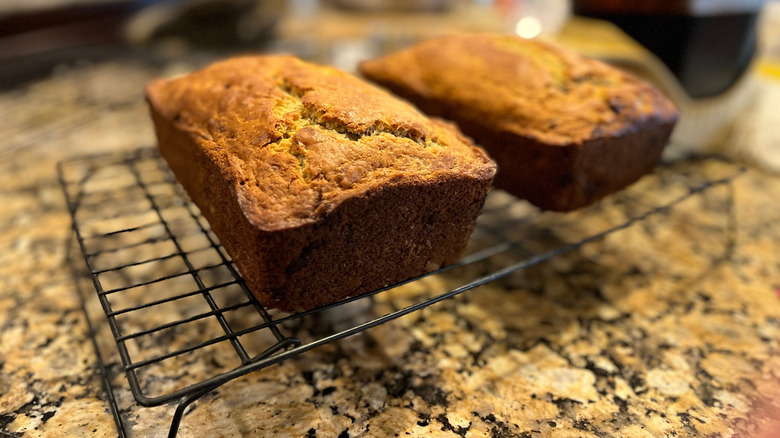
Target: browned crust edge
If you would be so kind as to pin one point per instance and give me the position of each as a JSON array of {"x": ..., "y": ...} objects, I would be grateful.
[
  {"x": 386, "y": 235},
  {"x": 556, "y": 177}
]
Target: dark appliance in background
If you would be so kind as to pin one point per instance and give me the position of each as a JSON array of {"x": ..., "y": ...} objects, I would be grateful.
[{"x": 706, "y": 44}]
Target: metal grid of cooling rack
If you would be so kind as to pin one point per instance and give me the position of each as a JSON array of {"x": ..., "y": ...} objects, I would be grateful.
[{"x": 172, "y": 298}]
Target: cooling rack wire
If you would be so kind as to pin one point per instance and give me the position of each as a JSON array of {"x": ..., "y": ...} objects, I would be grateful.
[{"x": 159, "y": 289}]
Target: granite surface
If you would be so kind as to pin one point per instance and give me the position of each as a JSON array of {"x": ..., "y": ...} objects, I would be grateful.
[{"x": 670, "y": 327}]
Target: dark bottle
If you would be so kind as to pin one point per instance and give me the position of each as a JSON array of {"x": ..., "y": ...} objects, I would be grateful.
[{"x": 706, "y": 44}]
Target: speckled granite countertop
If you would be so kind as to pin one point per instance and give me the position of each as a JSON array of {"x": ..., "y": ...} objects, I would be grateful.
[{"x": 668, "y": 328}]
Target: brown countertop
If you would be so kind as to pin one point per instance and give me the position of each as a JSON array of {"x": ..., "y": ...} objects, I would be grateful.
[{"x": 670, "y": 327}]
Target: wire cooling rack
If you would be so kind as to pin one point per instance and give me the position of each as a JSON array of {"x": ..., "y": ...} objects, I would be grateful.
[{"x": 173, "y": 300}]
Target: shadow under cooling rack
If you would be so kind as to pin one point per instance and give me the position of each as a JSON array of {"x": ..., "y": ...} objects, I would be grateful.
[{"x": 173, "y": 301}]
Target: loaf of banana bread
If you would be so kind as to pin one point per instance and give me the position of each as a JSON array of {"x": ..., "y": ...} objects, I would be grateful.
[
  {"x": 565, "y": 130},
  {"x": 319, "y": 185}
]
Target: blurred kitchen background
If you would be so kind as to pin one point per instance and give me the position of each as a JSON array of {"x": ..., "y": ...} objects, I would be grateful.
[{"x": 718, "y": 59}]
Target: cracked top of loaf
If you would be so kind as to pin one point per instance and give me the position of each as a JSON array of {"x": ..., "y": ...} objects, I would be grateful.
[
  {"x": 297, "y": 139},
  {"x": 525, "y": 87}
]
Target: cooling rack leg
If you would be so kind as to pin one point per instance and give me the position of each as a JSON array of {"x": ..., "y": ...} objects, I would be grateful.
[
  {"x": 101, "y": 363},
  {"x": 183, "y": 405}
]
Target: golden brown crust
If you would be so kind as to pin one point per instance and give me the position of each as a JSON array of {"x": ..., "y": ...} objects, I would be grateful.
[
  {"x": 523, "y": 99},
  {"x": 296, "y": 165}
]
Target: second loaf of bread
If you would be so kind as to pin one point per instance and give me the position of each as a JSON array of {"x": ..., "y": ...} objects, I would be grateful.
[
  {"x": 319, "y": 185},
  {"x": 565, "y": 130}
]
